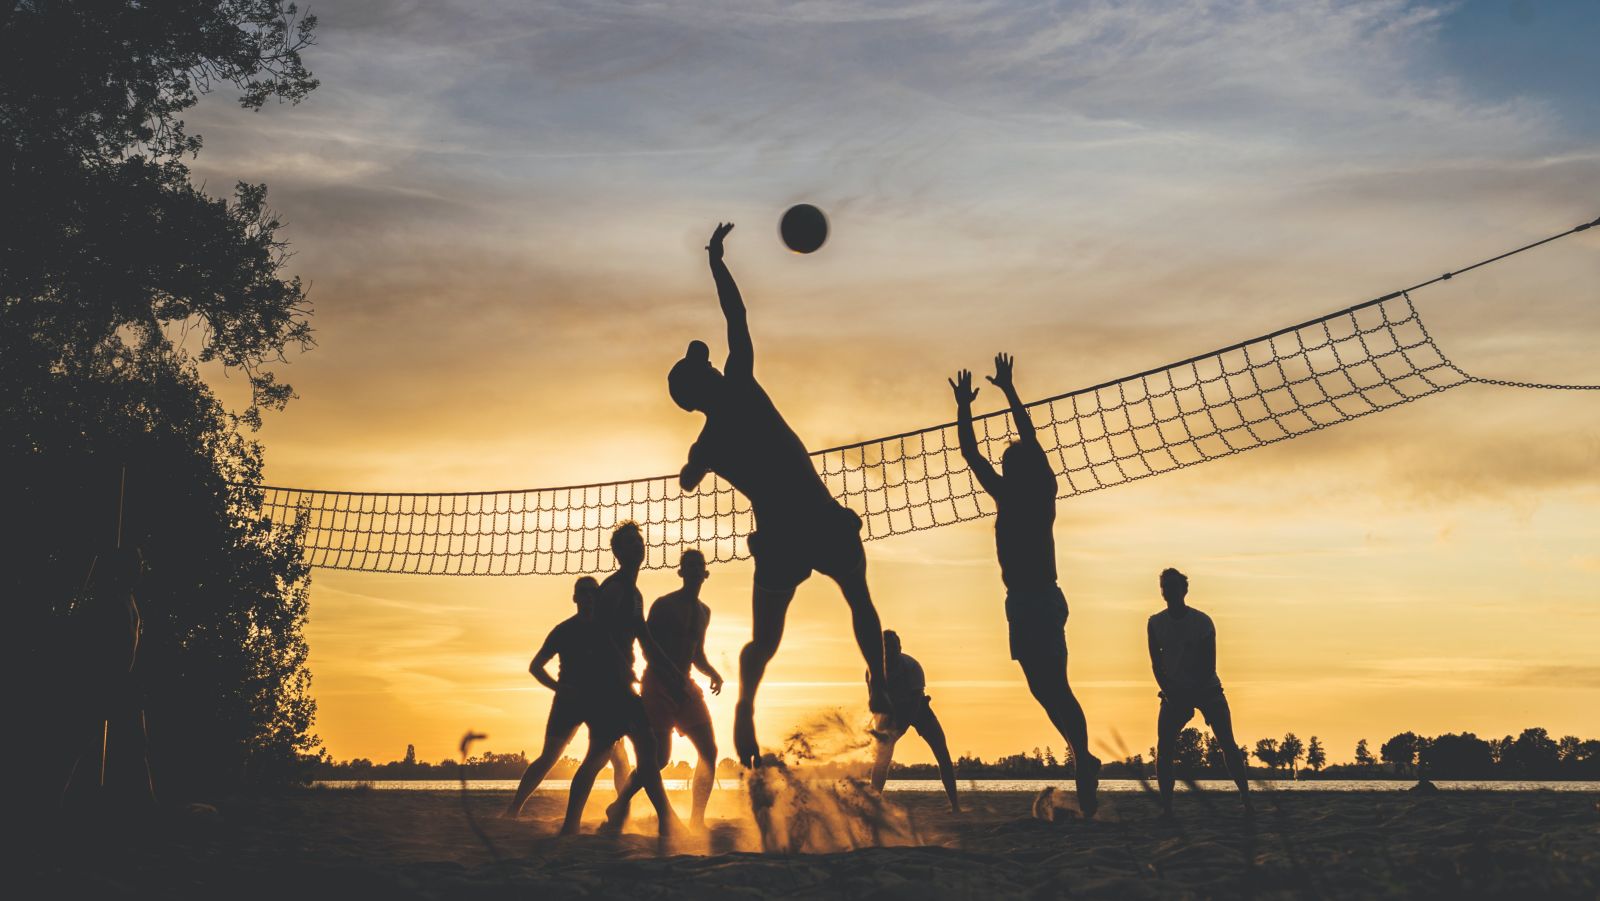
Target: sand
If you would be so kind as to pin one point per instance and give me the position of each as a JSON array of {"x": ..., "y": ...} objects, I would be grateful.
[{"x": 393, "y": 844}]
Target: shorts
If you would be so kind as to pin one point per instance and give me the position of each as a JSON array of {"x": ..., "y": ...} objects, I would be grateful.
[
  {"x": 908, "y": 714},
  {"x": 686, "y": 712},
  {"x": 1211, "y": 706},
  {"x": 828, "y": 542},
  {"x": 609, "y": 714},
  {"x": 1038, "y": 622}
]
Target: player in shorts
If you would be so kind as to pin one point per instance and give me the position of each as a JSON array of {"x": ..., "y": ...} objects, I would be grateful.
[
  {"x": 618, "y": 711},
  {"x": 1036, "y": 610},
  {"x": 800, "y": 528},
  {"x": 582, "y": 654},
  {"x": 1183, "y": 655},
  {"x": 913, "y": 709},
  {"x": 671, "y": 698}
]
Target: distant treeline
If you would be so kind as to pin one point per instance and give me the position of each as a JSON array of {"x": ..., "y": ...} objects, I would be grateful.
[{"x": 1532, "y": 755}]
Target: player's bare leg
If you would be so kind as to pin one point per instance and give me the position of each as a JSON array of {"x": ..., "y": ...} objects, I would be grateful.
[
  {"x": 705, "y": 773},
  {"x": 583, "y": 783},
  {"x": 557, "y": 735},
  {"x": 620, "y": 770},
  {"x": 769, "y": 609},
  {"x": 883, "y": 755},
  {"x": 1169, "y": 722},
  {"x": 1221, "y": 723},
  {"x": 933, "y": 733},
  {"x": 1047, "y": 681},
  {"x": 869, "y": 634}
]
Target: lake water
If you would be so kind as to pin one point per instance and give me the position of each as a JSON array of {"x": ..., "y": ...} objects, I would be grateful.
[{"x": 1003, "y": 785}]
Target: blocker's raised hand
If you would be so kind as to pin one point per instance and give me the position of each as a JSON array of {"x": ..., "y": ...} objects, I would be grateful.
[
  {"x": 715, "y": 247},
  {"x": 1002, "y": 371},
  {"x": 962, "y": 386}
]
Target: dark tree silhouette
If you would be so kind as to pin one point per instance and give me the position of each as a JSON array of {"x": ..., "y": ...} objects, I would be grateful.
[
  {"x": 1532, "y": 755},
  {"x": 108, "y": 252},
  {"x": 1268, "y": 753},
  {"x": 1316, "y": 755},
  {"x": 1363, "y": 756},
  {"x": 1401, "y": 751},
  {"x": 1450, "y": 756},
  {"x": 1290, "y": 751}
]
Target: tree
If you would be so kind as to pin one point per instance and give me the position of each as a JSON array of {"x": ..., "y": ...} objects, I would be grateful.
[
  {"x": 1534, "y": 755},
  {"x": 1189, "y": 750},
  {"x": 1316, "y": 755},
  {"x": 1290, "y": 752},
  {"x": 1401, "y": 751},
  {"x": 1267, "y": 752},
  {"x": 411, "y": 755},
  {"x": 109, "y": 255},
  {"x": 1450, "y": 756},
  {"x": 1363, "y": 756}
]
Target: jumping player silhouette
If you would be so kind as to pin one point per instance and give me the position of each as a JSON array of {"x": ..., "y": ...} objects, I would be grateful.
[
  {"x": 672, "y": 700},
  {"x": 913, "y": 709},
  {"x": 800, "y": 528},
  {"x": 1183, "y": 655},
  {"x": 1036, "y": 610}
]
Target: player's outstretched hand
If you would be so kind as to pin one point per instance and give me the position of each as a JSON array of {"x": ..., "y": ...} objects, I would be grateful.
[
  {"x": 716, "y": 685},
  {"x": 715, "y": 247},
  {"x": 1002, "y": 371},
  {"x": 962, "y": 386}
]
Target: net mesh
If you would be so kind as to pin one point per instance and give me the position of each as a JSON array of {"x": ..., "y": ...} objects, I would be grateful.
[{"x": 1294, "y": 381}]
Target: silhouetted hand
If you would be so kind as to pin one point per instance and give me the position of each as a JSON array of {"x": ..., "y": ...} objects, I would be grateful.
[
  {"x": 1002, "y": 371},
  {"x": 962, "y": 386},
  {"x": 715, "y": 247},
  {"x": 689, "y": 476},
  {"x": 716, "y": 685}
]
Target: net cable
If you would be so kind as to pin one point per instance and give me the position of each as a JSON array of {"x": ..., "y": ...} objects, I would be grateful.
[{"x": 1344, "y": 365}]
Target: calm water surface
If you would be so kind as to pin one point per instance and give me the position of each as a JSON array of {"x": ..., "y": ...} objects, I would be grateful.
[{"x": 999, "y": 785}]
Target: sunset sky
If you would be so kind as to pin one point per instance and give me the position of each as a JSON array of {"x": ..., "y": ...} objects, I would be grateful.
[{"x": 500, "y": 208}]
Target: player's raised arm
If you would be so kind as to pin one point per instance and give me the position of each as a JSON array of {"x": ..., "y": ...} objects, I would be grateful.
[
  {"x": 741, "y": 350},
  {"x": 1003, "y": 364},
  {"x": 976, "y": 461}
]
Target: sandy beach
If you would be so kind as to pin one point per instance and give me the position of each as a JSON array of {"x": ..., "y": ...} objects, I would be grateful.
[{"x": 363, "y": 843}]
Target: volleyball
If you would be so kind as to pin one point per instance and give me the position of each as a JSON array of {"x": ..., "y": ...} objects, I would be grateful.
[{"x": 804, "y": 228}]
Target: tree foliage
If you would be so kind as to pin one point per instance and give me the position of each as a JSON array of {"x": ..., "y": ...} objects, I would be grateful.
[
  {"x": 111, "y": 263},
  {"x": 1316, "y": 755}
]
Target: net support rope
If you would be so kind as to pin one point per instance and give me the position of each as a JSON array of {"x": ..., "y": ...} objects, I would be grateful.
[{"x": 1301, "y": 379}]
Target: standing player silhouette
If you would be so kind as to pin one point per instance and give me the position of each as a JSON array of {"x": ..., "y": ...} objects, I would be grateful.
[
  {"x": 1036, "y": 610},
  {"x": 800, "y": 528}
]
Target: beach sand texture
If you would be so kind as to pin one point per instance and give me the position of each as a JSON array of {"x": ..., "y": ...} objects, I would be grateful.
[{"x": 360, "y": 844}]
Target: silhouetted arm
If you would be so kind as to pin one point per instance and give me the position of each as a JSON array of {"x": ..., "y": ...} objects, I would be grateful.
[
  {"x": 741, "y": 350},
  {"x": 1155, "y": 662},
  {"x": 981, "y": 468},
  {"x": 542, "y": 659},
  {"x": 693, "y": 471},
  {"x": 1001, "y": 379},
  {"x": 704, "y": 665}
]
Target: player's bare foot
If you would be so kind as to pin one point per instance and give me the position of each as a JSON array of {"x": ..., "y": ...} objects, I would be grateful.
[
  {"x": 616, "y": 818},
  {"x": 1088, "y": 779},
  {"x": 744, "y": 735}
]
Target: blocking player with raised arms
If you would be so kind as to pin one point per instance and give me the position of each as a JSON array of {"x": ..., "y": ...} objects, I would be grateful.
[
  {"x": 1036, "y": 610},
  {"x": 800, "y": 527}
]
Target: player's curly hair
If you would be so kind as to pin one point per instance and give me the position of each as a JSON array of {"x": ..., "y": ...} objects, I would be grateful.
[{"x": 1173, "y": 583}]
